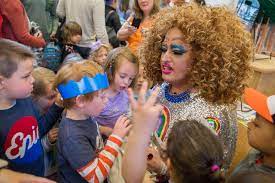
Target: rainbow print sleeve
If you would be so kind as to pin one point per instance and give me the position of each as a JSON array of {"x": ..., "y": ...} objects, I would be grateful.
[{"x": 98, "y": 169}]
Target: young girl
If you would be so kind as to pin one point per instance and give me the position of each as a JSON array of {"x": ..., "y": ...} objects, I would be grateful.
[
  {"x": 99, "y": 52},
  {"x": 44, "y": 96},
  {"x": 121, "y": 68},
  {"x": 194, "y": 154},
  {"x": 71, "y": 37}
]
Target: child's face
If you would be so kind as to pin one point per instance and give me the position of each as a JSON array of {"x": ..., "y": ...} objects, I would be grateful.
[
  {"x": 100, "y": 100},
  {"x": 124, "y": 75},
  {"x": 76, "y": 39},
  {"x": 20, "y": 84},
  {"x": 140, "y": 78},
  {"x": 45, "y": 102},
  {"x": 261, "y": 135},
  {"x": 101, "y": 56}
]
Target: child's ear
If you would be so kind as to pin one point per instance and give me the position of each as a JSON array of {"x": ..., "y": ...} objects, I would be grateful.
[
  {"x": 79, "y": 102},
  {"x": 2, "y": 80}
]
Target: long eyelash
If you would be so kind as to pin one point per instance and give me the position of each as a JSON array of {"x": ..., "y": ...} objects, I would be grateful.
[{"x": 163, "y": 48}]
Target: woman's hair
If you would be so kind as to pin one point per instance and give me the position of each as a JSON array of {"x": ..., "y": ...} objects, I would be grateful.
[
  {"x": 251, "y": 177},
  {"x": 221, "y": 47},
  {"x": 113, "y": 61},
  {"x": 195, "y": 153},
  {"x": 43, "y": 78},
  {"x": 138, "y": 12},
  {"x": 76, "y": 71},
  {"x": 70, "y": 29}
]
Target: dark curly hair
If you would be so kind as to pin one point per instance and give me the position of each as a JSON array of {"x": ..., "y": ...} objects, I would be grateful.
[{"x": 222, "y": 49}]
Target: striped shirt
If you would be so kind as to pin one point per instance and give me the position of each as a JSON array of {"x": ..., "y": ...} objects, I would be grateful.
[{"x": 80, "y": 156}]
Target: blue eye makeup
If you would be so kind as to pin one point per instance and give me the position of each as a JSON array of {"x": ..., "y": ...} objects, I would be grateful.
[
  {"x": 178, "y": 49},
  {"x": 175, "y": 48}
]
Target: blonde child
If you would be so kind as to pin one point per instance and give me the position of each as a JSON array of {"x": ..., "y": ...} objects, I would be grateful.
[
  {"x": 121, "y": 68},
  {"x": 21, "y": 125},
  {"x": 80, "y": 154},
  {"x": 99, "y": 52},
  {"x": 44, "y": 96}
]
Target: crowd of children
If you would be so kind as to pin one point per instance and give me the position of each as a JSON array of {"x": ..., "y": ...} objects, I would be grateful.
[{"x": 101, "y": 109}]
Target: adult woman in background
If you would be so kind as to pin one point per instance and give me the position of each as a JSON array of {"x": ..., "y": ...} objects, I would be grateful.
[{"x": 137, "y": 24}]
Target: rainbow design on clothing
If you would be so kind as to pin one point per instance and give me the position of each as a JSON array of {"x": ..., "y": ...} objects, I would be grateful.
[
  {"x": 214, "y": 124},
  {"x": 165, "y": 119}
]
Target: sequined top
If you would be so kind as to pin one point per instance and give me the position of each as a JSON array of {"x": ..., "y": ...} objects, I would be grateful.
[{"x": 221, "y": 118}]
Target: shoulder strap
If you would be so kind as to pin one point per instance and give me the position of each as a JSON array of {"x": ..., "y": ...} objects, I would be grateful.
[{"x": 108, "y": 15}]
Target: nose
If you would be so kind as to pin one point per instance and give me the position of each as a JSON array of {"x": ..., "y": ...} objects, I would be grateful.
[
  {"x": 165, "y": 57},
  {"x": 32, "y": 79}
]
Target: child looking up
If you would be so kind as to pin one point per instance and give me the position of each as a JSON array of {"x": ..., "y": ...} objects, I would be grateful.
[
  {"x": 80, "y": 154},
  {"x": 121, "y": 68},
  {"x": 261, "y": 134},
  {"x": 21, "y": 125}
]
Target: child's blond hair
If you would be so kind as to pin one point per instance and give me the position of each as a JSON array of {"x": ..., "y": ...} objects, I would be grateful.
[
  {"x": 76, "y": 71},
  {"x": 43, "y": 78},
  {"x": 95, "y": 52},
  {"x": 114, "y": 61}
]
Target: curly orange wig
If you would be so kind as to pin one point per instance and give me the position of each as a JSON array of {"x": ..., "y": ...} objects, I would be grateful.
[{"x": 222, "y": 50}]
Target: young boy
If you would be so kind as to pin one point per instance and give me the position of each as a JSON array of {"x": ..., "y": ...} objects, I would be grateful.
[
  {"x": 21, "y": 126},
  {"x": 80, "y": 154},
  {"x": 261, "y": 134},
  {"x": 44, "y": 97}
]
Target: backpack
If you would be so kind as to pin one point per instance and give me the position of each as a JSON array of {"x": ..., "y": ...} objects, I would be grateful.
[
  {"x": 111, "y": 31},
  {"x": 52, "y": 56}
]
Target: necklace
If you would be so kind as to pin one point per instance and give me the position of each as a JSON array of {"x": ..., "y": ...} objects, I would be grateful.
[{"x": 182, "y": 97}]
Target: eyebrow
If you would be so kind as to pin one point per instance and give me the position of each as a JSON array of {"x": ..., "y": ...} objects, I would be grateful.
[{"x": 175, "y": 38}]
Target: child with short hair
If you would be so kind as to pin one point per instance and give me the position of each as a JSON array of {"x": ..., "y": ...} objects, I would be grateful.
[
  {"x": 80, "y": 154},
  {"x": 44, "y": 96},
  {"x": 99, "y": 52},
  {"x": 261, "y": 134},
  {"x": 21, "y": 125},
  {"x": 121, "y": 68}
]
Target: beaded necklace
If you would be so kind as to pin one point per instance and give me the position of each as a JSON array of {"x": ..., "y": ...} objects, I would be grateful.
[{"x": 182, "y": 97}]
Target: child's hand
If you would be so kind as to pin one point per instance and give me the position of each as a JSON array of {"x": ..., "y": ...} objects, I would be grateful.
[
  {"x": 107, "y": 131},
  {"x": 52, "y": 135},
  {"x": 122, "y": 126},
  {"x": 154, "y": 164},
  {"x": 145, "y": 113}
]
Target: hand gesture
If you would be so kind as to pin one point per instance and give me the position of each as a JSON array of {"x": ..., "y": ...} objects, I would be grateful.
[
  {"x": 122, "y": 126},
  {"x": 52, "y": 135},
  {"x": 145, "y": 113}
]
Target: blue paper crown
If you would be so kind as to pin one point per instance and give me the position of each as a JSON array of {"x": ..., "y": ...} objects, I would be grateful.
[{"x": 84, "y": 86}]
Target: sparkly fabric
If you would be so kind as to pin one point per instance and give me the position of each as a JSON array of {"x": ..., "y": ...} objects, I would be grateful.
[{"x": 196, "y": 108}]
